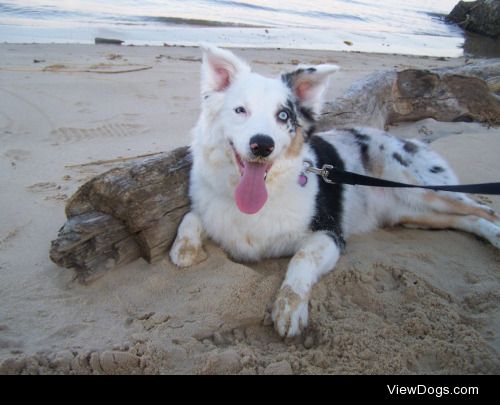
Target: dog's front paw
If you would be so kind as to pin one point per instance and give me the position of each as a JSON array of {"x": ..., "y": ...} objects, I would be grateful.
[
  {"x": 185, "y": 252},
  {"x": 290, "y": 312}
]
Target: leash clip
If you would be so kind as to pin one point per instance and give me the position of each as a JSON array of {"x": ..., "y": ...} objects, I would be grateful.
[{"x": 324, "y": 172}]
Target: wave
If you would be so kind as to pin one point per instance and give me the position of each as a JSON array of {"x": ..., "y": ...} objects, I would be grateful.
[{"x": 198, "y": 22}]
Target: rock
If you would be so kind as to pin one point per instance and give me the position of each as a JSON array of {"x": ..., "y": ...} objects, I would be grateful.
[
  {"x": 108, "y": 41},
  {"x": 481, "y": 17}
]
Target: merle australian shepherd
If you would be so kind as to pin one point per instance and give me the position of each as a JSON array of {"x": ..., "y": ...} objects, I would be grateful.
[{"x": 250, "y": 194}]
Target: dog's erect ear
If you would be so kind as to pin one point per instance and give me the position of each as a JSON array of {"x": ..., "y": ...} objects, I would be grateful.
[
  {"x": 219, "y": 68},
  {"x": 309, "y": 83}
]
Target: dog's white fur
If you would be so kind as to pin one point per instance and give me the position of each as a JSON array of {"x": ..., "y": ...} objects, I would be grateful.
[{"x": 283, "y": 226}]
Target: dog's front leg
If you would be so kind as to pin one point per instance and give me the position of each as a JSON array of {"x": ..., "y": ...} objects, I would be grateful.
[
  {"x": 318, "y": 255},
  {"x": 187, "y": 249}
]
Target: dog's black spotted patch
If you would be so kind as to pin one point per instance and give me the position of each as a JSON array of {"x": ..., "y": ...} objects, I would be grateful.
[
  {"x": 436, "y": 169},
  {"x": 292, "y": 123},
  {"x": 362, "y": 140},
  {"x": 301, "y": 117},
  {"x": 360, "y": 137},
  {"x": 291, "y": 108},
  {"x": 365, "y": 156},
  {"x": 289, "y": 78},
  {"x": 307, "y": 114},
  {"x": 308, "y": 132},
  {"x": 330, "y": 197},
  {"x": 400, "y": 159},
  {"x": 410, "y": 147}
]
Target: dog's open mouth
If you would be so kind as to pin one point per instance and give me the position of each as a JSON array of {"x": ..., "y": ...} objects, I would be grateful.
[{"x": 251, "y": 193}]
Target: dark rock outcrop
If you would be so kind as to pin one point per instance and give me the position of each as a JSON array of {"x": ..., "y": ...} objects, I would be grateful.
[{"x": 481, "y": 17}]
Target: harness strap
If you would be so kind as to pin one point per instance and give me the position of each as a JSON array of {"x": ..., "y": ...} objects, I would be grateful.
[{"x": 334, "y": 176}]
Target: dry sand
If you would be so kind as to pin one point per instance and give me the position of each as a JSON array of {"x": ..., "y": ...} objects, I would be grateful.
[{"x": 399, "y": 301}]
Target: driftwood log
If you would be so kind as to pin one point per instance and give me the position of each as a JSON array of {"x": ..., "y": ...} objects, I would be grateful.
[
  {"x": 450, "y": 94},
  {"x": 134, "y": 210},
  {"x": 126, "y": 213}
]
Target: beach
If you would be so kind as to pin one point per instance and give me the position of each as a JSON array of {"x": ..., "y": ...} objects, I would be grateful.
[
  {"x": 414, "y": 27},
  {"x": 399, "y": 301}
]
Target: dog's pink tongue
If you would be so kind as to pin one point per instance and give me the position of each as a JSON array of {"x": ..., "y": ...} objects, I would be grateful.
[{"x": 251, "y": 193}]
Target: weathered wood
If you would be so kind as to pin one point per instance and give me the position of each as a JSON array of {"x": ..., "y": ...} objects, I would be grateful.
[
  {"x": 92, "y": 243},
  {"x": 386, "y": 98},
  {"x": 494, "y": 84},
  {"x": 128, "y": 212},
  {"x": 134, "y": 210}
]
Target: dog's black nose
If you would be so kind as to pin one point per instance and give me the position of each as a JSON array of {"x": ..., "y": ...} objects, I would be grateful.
[{"x": 261, "y": 145}]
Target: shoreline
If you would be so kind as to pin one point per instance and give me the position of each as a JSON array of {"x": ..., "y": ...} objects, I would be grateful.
[
  {"x": 400, "y": 301},
  {"x": 261, "y": 38},
  {"x": 473, "y": 46}
]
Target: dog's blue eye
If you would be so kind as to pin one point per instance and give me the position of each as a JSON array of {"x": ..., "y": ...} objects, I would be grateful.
[
  {"x": 283, "y": 116},
  {"x": 240, "y": 110}
]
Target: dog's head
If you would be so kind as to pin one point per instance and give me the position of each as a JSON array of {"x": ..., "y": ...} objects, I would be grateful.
[{"x": 258, "y": 121}]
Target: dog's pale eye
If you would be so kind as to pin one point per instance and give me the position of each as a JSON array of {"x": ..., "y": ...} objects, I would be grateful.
[
  {"x": 240, "y": 110},
  {"x": 283, "y": 116}
]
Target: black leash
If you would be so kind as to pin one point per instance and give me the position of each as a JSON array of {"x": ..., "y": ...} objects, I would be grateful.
[{"x": 332, "y": 175}]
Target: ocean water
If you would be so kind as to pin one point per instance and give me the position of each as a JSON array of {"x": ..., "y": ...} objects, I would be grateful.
[{"x": 392, "y": 26}]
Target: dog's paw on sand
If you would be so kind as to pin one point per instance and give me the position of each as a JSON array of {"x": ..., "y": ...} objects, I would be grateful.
[
  {"x": 186, "y": 253},
  {"x": 290, "y": 312}
]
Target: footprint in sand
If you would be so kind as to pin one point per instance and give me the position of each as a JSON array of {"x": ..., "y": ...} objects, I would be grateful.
[
  {"x": 56, "y": 192},
  {"x": 43, "y": 186},
  {"x": 8, "y": 341},
  {"x": 17, "y": 155},
  {"x": 4, "y": 241},
  {"x": 69, "y": 331},
  {"x": 84, "y": 107},
  {"x": 181, "y": 98},
  {"x": 147, "y": 96},
  {"x": 73, "y": 135}
]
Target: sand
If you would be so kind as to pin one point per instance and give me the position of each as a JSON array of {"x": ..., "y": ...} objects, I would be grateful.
[{"x": 400, "y": 301}]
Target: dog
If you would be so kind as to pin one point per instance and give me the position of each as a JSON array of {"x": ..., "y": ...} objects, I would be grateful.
[{"x": 250, "y": 193}]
